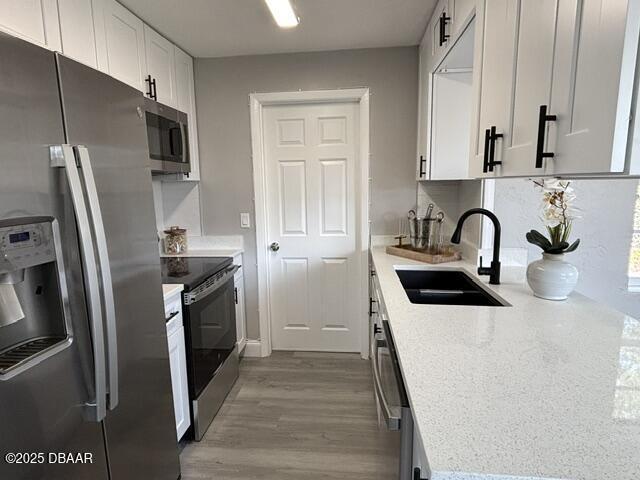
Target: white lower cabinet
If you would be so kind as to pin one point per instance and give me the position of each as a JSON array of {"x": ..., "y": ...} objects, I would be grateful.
[
  {"x": 241, "y": 320},
  {"x": 178, "y": 365}
]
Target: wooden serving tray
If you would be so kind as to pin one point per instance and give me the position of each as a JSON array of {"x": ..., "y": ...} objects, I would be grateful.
[{"x": 407, "y": 251}]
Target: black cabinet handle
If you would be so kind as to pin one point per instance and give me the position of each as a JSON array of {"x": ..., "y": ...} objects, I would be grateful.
[
  {"x": 371, "y": 302},
  {"x": 423, "y": 163},
  {"x": 150, "y": 91},
  {"x": 155, "y": 91},
  {"x": 492, "y": 148},
  {"x": 444, "y": 19},
  {"x": 487, "y": 140},
  {"x": 235, "y": 294},
  {"x": 417, "y": 474},
  {"x": 543, "y": 118}
]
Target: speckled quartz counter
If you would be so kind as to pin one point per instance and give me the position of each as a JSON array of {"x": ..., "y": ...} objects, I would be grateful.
[
  {"x": 170, "y": 289},
  {"x": 209, "y": 252},
  {"x": 539, "y": 389}
]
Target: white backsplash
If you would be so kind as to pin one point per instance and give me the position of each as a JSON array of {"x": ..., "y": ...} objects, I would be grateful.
[
  {"x": 177, "y": 203},
  {"x": 453, "y": 198}
]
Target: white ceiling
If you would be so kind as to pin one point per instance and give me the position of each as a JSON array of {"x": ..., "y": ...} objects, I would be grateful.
[{"x": 220, "y": 28}]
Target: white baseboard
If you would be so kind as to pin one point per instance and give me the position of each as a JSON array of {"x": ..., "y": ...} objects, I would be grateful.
[{"x": 253, "y": 348}]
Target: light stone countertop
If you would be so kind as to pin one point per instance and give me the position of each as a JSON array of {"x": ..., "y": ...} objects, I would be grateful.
[
  {"x": 539, "y": 389},
  {"x": 170, "y": 289},
  {"x": 222, "y": 252}
]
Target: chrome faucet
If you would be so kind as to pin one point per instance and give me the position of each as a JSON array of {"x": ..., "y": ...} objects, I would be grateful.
[{"x": 494, "y": 270}]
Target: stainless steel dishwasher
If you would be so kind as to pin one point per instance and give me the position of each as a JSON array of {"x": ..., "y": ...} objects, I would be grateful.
[{"x": 394, "y": 413}]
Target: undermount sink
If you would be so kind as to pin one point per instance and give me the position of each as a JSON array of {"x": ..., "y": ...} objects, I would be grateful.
[{"x": 444, "y": 287}]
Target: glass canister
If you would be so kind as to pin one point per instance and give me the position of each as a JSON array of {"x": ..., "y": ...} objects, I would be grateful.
[{"x": 175, "y": 241}]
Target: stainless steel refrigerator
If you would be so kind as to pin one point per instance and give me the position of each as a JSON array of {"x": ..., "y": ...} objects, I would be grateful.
[{"x": 83, "y": 350}]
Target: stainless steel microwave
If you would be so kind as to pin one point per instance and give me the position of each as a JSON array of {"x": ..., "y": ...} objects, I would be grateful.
[{"x": 168, "y": 138}]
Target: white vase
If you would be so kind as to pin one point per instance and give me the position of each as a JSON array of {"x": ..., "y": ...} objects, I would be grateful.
[{"x": 551, "y": 277}]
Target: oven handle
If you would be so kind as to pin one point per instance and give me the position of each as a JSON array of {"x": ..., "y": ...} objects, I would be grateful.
[
  {"x": 183, "y": 139},
  {"x": 392, "y": 422},
  {"x": 210, "y": 286}
]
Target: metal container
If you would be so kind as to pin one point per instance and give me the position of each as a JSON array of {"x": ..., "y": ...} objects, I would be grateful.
[{"x": 419, "y": 232}]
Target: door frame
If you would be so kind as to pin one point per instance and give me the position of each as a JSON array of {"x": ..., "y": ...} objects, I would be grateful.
[{"x": 257, "y": 101}]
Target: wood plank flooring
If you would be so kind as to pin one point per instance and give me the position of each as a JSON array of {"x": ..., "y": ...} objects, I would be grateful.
[{"x": 296, "y": 415}]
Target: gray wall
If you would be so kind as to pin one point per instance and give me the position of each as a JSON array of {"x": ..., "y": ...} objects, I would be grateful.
[
  {"x": 605, "y": 231},
  {"x": 222, "y": 92}
]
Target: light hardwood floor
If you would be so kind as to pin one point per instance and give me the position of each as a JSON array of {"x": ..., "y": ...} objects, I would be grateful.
[{"x": 302, "y": 416}]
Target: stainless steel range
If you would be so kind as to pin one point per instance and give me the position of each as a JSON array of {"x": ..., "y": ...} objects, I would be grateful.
[{"x": 210, "y": 331}]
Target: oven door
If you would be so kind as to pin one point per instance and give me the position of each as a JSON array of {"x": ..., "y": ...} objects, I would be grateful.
[
  {"x": 211, "y": 330},
  {"x": 167, "y": 137}
]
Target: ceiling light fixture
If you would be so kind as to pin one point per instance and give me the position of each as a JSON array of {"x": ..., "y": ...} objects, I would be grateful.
[{"x": 283, "y": 13}]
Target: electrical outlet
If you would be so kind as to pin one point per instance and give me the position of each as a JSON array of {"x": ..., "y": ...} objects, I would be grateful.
[{"x": 245, "y": 221}]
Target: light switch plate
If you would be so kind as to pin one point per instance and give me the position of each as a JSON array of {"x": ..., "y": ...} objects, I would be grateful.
[{"x": 245, "y": 221}]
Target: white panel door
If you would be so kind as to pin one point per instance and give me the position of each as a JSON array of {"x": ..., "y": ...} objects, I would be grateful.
[
  {"x": 186, "y": 102},
  {"x": 593, "y": 85},
  {"x": 33, "y": 20},
  {"x": 161, "y": 66},
  {"x": 493, "y": 73},
  {"x": 125, "y": 45},
  {"x": 178, "y": 366},
  {"x": 311, "y": 158},
  {"x": 77, "y": 30}
]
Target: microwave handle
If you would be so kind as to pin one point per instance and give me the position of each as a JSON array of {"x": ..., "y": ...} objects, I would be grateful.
[{"x": 183, "y": 138}]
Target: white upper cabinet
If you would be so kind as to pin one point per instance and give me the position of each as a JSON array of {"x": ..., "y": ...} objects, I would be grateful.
[
  {"x": 82, "y": 32},
  {"x": 515, "y": 72},
  {"x": 124, "y": 33},
  {"x": 451, "y": 105},
  {"x": 554, "y": 87},
  {"x": 186, "y": 102},
  {"x": 441, "y": 27},
  {"x": 461, "y": 10},
  {"x": 445, "y": 104},
  {"x": 595, "y": 62},
  {"x": 424, "y": 100},
  {"x": 496, "y": 20},
  {"x": 33, "y": 20},
  {"x": 161, "y": 66}
]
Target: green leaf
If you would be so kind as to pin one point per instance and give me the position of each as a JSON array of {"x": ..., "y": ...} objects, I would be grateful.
[
  {"x": 536, "y": 238},
  {"x": 560, "y": 248},
  {"x": 573, "y": 246}
]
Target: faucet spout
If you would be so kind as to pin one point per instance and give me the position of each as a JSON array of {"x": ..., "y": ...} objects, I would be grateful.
[{"x": 494, "y": 270}]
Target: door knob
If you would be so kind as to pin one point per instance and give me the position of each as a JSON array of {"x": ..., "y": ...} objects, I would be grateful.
[{"x": 275, "y": 246}]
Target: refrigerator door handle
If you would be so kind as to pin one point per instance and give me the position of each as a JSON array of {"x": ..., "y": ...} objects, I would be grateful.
[
  {"x": 105, "y": 271},
  {"x": 62, "y": 156}
]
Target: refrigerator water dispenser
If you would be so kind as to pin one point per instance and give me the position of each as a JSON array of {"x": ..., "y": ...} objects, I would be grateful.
[{"x": 34, "y": 323}]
